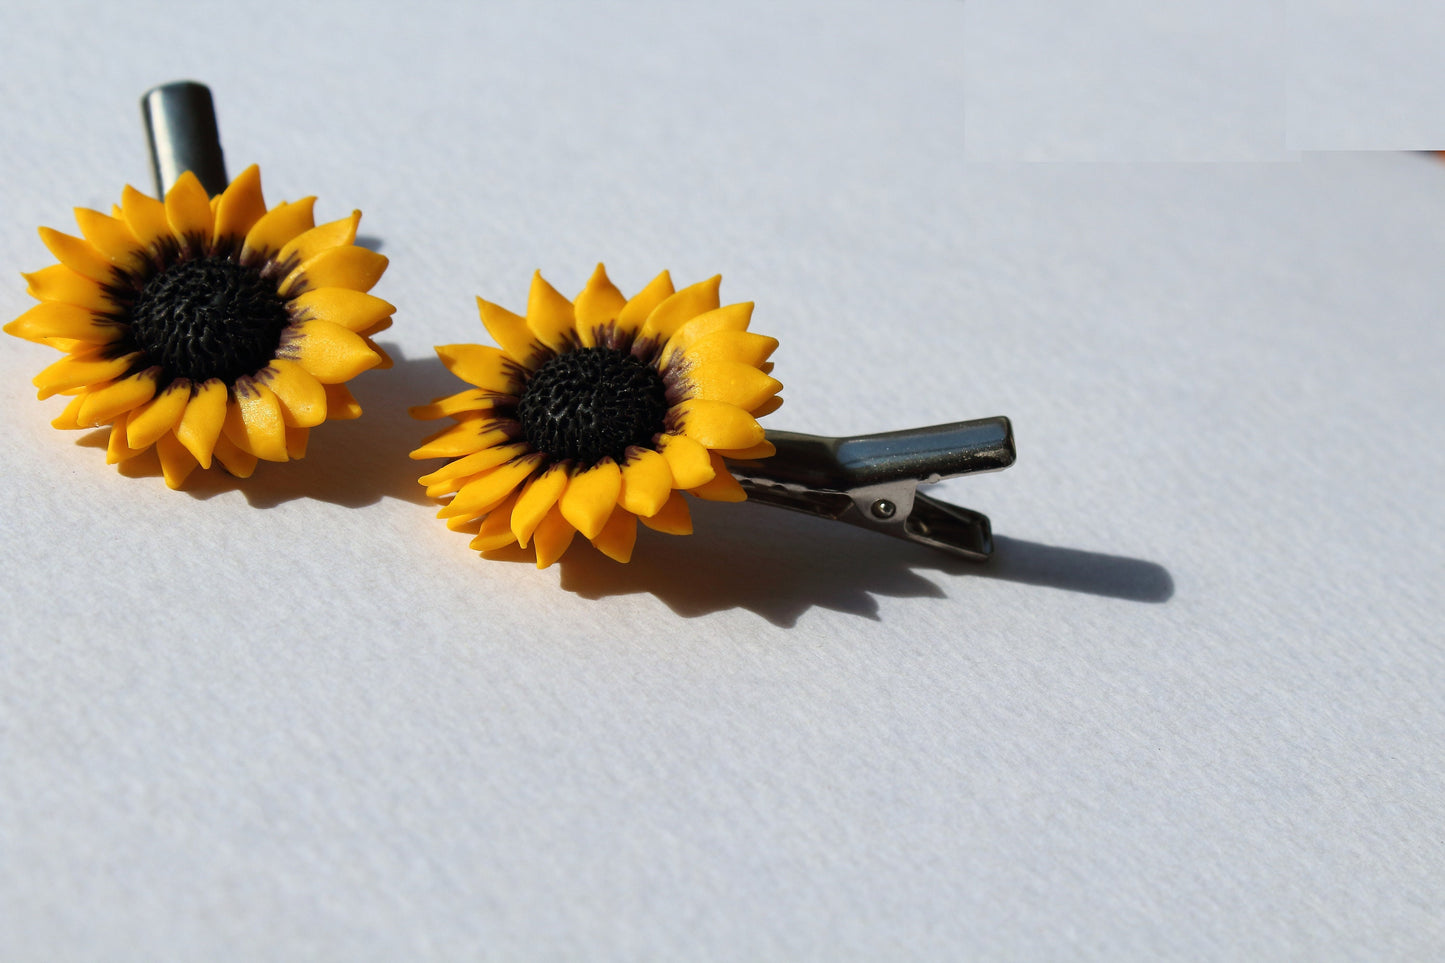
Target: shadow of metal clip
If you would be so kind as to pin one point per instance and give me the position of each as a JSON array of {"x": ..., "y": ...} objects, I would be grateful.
[{"x": 871, "y": 480}]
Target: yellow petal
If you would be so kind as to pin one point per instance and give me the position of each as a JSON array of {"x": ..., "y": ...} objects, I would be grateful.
[
  {"x": 71, "y": 346},
  {"x": 76, "y": 372},
  {"x": 236, "y": 461},
  {"x": 340, "y": 405},
  {"x": 330, "y": 352},
  {"x": 768, "y": 407},
  {"x": 353, "y": 310},
  {"x": 351, "y": 268},
  {"x": 303, "y": 399},
  {"x": 552, "y": 537},
  {"x": 177, "y": 462},
  {"x": 77, "y": 254},
  {"x": 682, "y": 307},
  {"x": 110, "y": 236},
  {"x": 635, "y": 311},
  {"x": 733, "y": 317},
  {"x": 66, "y": 421},
  {"x": 240, "y": 205},
  {"x": 451, "y": 486},
  {"x": 188, "y": 211},
  {"x": 468, "y": 438},
  {"x": 473, "y": 464},
  {"x": 687, "y": 460},
  {"x": 162, "y": 413},
  {"x": 254, "y": 423},
  {"x": 324, "y": 237},
  {"x": 535, "y": 501},
  {"x": 484, "y": 493},
  {"x": 492, "y": 539},
  {"x": 51, "y": 319},
  {"x": 618, "y": 536},
  {"x": 763, "y": 449},
  {"x": 591, "y": 496},
  {"x": 277, "y": 227},
  {"x": 103, "y": 405},
  {"x": 646, "y": 482},
  {"x": 469, "y": 526},
  {"x": 733, "y": 383},
  {"x": 484, "y": 366},
  {"x": 741, "y": 346},
  {"x": 718, "y": 425},
  {"x": 296, "y": 439},
  {"x": 723, "y": 487},
  {"x": 549, "y": 315},
  {"x": 673, "y": 519},
  {"x": 59, "y": 283},
  {"x": 473, "y": 399},
  {"x": 495, "y": 532},
  {"x": 146, "y": 218},
  {"x": 117, "y": 449},
  {"x": 597, "y": 306},
  {"x": 200, "y": 427},
  {"x": 510, "y": 331}
]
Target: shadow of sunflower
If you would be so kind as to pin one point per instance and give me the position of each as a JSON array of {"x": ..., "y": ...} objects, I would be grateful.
[{"x": 779, "y": 565}]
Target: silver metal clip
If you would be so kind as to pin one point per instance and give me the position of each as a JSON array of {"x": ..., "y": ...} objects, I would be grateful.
[
  {"x": 180, "y": 120},
  {"x": 871, "y": 480}
]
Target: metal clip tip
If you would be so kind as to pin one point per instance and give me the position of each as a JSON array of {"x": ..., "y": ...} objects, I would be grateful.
[{"x": 180, "y": 121}]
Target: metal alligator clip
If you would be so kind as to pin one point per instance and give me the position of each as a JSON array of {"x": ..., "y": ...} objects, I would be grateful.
[
  {"x": 871, "y": 480},
  {"x": 180, "y": 121}
]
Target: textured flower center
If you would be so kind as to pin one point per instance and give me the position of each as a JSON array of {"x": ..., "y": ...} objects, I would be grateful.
[
  {"x": 592, "y": 403},
  {"x": 209, "y": 317}
]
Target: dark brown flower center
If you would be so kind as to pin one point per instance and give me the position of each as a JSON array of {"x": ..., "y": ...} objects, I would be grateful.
[
  {"x": 209, "y": 317},
  {"x": 592, "y": 403}
]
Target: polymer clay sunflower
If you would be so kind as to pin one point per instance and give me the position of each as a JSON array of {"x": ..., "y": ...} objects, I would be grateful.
[
  {"x": 206, "y": 328},
  {"x": 598, "y": 413}
]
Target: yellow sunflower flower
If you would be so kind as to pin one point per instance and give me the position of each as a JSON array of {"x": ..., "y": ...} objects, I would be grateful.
[
  {"x": 206, "y": 327},
  {"x": 597, "y": 413}
]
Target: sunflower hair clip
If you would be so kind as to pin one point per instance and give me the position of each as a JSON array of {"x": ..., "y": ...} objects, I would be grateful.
[
  {"x": 200, "y": 324},
  {"x": 595, "y": 414}
]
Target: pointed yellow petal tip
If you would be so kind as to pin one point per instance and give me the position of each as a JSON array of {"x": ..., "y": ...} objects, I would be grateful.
[
  {"x": 552, "y": 538},
  {"x": 550, "y": 316},
  {"x": 618, "y": 536},
  {"x": 185, "y": 183},
  {"x": 591, "y": 496},
  {"x": 240, "y": 205},
  {"x": 636, "y": 311},
  {"x": 597, "y": 306},
  {"x": 509, "y": 330}
]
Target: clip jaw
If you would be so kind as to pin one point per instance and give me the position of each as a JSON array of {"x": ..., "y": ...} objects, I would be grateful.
[{"x": 871, "y": 480}]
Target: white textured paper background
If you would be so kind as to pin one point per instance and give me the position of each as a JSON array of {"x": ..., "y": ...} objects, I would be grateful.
[{"x": 1192, "y": 710}]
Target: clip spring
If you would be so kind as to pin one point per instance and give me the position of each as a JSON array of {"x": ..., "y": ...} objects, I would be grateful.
[{"x": 871, "y": 480}]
